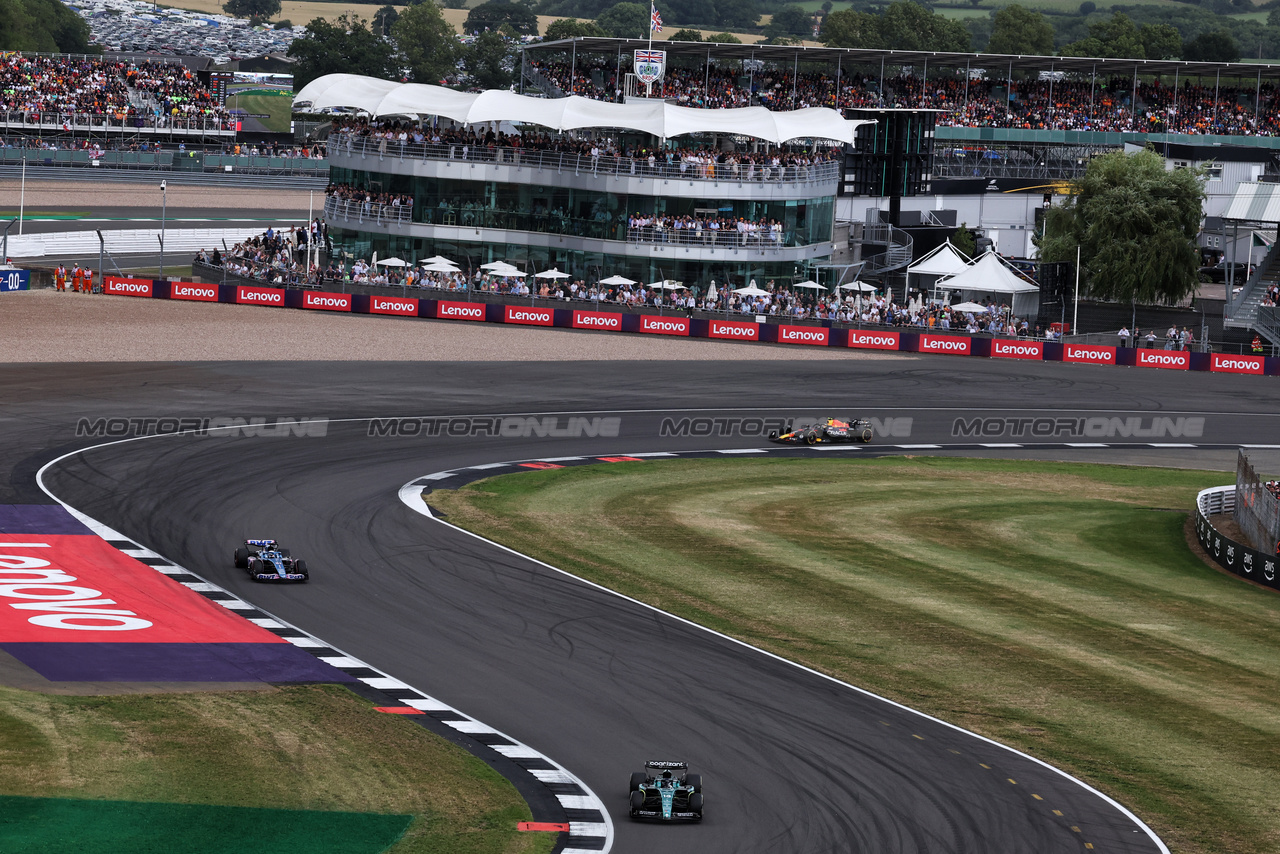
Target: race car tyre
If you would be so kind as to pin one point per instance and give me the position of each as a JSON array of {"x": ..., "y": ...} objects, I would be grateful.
[
  {"x": 637, "y": 801},
  {"x": 301, "y": 567},
  {"x": 694, "y": 780},
  {"x": 252, "y": 565},
  {"x": 695, "y": 802},
  {"x": 637, "y": 780},
  {"x": 242, "y": 558},
  {"x": 865, "y": 436},
  {"x": 773, "y": 434},
  {"x": 811, "y": 437}
]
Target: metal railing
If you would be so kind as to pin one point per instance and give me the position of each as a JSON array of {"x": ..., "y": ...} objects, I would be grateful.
[
  {"x": 898, "y": 252},
  {"x": 826, "y": 171},
  {"x": 361, "y": 212},
  {"x": 56, "y": 122},
  {"x": 1217, "y": 500},
  {"x": 722, "y": 238}
]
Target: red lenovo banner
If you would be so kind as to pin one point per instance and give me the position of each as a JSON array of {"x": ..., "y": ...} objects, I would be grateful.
[
  {"x": 250, "y": 295},
  {"x": 597, "y": 320},
  {"x": 126, "y": 287},
  {"x": 733, "y": 329},
  {"x": 75, "y": 588},
  {"x": 1237, "y": 364},
  {"x": 529, "y": 316},
  {"x": 664, "y": 325},
  {"x": 1002, "y": 349},
  {"x": 1093, "y": 354},
  {"x": 816, "y": 335},
  {"x": 404, "y": 306},
  {"x": 193, "y": 291},
  {"x": 1174, "y": 359},
  {"x": 326, "y": 301},
  {"x": 448, "y": 310},
  {"x": 873, "y": 340},
  {"x": 946, "y": 344}
]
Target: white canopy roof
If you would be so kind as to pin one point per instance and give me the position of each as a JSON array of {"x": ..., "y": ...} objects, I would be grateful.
[
  {"x": 945, "y": 260},
  {"x": 387, "y": 98},
  {"x": 1255, "y": 201},
  {"x": 990, "y": 274}
]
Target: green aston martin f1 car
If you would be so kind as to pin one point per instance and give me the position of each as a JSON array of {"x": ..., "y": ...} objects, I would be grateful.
[{"x": 666, "y": 791}]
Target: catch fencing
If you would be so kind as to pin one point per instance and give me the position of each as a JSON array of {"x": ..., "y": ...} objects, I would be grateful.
[{"x": 1257, "y": 511}]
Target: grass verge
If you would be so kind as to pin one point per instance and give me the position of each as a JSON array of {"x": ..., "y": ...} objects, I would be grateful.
[
  {"x": 1054, "y": 607},
  {"x": 314, "y": 747}
]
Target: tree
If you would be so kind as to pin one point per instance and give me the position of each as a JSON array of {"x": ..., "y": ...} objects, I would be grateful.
[
  {"x": 495, "y": 13},
  {"x": 737, "y": 14},
  {"x": 625, "y": 21},
  {"x": 1135, "y": 224},
  {"x": 1273, "y": 18},
  {"x": 43, "y": 25},
  {"x": 963, "y": 240},
  {"x": 258, "y": 10},
  {"x": 1018, "y": 30},
  {"x": 723, "y": 38},
  {"x": 904, "y": 25},
  {"x": 685, "y": 36},
  {"x": 489, "y": 61},
  {"x": 848, "y": 28},
  {"x": 1088, "y": 7},
  {"x": 1160, "y": 41},
  {"x": 452, "y": 4},
  {"x": 427, "y": 43},
  {"x": 346, "y": 45},
  {"x": 1116, "y": 37},
  {"x": 571, "y": 28},
  {"x": 790, "y": 20},
  {"x": 1212, "y": 47},
  {"x": 384, "y": 18}
]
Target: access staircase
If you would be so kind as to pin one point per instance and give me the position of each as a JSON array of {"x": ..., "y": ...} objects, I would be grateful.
[{"x": 1245, "y": 311}]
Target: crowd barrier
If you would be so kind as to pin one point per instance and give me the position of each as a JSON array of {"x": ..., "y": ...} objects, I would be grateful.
[
  {"x": 602, "y": 319},
  {"x": 1234, "y": 557}
]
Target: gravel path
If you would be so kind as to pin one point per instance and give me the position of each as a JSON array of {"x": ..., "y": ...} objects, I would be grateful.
[{"x": 48, "y": 326}]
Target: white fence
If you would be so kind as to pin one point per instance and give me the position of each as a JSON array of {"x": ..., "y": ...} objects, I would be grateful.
[{"x": 132, "y": 241}]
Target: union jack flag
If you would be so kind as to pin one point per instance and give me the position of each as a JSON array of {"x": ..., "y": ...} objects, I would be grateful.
[
  {"x": 650, "y": 56},
  {"x": 655, "y": 20}
]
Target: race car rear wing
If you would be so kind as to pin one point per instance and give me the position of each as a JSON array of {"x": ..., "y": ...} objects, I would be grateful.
[
  {"x": 661, "y": 765},
  {"x": 260, "y": 542}
]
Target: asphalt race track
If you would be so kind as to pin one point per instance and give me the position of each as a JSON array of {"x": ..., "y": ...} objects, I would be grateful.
[{"x": 792, "y": 762}]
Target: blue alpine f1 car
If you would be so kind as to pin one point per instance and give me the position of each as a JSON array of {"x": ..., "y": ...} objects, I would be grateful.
[
  {"x": 666, "y": 791},
  {"x": 266, "y": 561}
]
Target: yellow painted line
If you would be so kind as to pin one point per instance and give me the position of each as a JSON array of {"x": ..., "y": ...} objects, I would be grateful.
[
  {"x": 1037, "y": 797},
  {"x": 985, "y": 765},
  {"x": 956, "y": 752},
  {"x": 1075, "y": 829},
  {"x": 1011, "y": 780},
  {"x": 921, "y": 737},
  {"x": 1089, "y": 845},
  {"x": 886, "y": 723},
  {"x": 1057, "y": 812}
]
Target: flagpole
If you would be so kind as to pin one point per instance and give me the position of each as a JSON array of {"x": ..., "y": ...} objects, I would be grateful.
[{"x": 652, "y": 11}]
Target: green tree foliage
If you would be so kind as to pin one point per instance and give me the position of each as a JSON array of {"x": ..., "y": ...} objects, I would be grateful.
[
  {"x": 904, "y": 25},
  {"x": 384, "y": 18},
  {"x": 489, "y": 61},
  {"x": 790, "y": 20},
  {"x": 1018, "y": 30},
  {"x": 259, "y": 10},
  {"x": 571, "y": 28},
  {"x": 1116, "y": 37},
  {"x": 346, "y": 45},
  {"x": 426, "y": 42},
  {"x": 43, "y": 25},
  {"x": 495, "y": 13},
  {"x": 452, "y": 4},
  {"x": 685, "y": 36},
  {"x": 1088, "y": 7},
  {"x": 964, "y": 241},
  {"x": 1217, "y": 46},
  {"x": 1160, "y": 41},
  {"x": 1273, "y": 18},
  {"x": 707, "y": 13},
  {"x": 736, "y": 14},
  {"x": 723, "y": 38},
  {"x": 1135, "y": 224},
  {"x": 625, "y": 21}
]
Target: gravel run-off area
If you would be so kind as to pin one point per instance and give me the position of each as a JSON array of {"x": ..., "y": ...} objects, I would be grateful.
[{"x": 48, "y": 326}]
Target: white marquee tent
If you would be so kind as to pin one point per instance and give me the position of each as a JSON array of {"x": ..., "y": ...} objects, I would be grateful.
[
  {"x": 387, "y": 98},
  {"x": 991, "y": 274},
  {"x": 945, "y": 260}
]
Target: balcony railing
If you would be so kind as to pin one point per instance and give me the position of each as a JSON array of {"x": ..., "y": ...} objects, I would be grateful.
[
  {"x": 724, "y": 238},
  {"x": 362, "y": 212},
  {"x": 584, "y": 164},
  {"x": 55, "y": 122}
]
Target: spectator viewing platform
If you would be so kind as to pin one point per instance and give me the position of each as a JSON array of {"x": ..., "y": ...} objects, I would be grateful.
[{"x": 1090, "y": 99}]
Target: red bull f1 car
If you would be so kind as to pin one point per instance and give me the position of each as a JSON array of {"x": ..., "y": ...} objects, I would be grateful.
[
  {"x": 825, "y": 431},
  {"x": 666, "y": 791},
  {"x": 265, "y": 560}
]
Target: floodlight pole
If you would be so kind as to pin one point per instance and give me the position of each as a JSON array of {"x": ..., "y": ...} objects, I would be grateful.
[
  {"x": 1075, "y": 315},
  {"x": 164, "y": 203}
]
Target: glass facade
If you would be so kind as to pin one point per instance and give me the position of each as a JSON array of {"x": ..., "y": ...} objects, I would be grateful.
[
  {"x": 589, "y": 266},
  {"x": 583, "y": 213}
]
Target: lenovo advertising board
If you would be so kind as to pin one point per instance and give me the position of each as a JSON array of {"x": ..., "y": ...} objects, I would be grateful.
[
  {"x": 606, "y": 320},
  {"x": 251, "y": 295},
  {"x": 874, "y": 339},
  {"x": 1090, "y": 354},
  {"x": 529, "y": 316},
  {"x": 196, "y": 291},
  {"x": 734, "y": 330},
  {"x": 1014, "y": 349},
  {"x": 656, "y": 325},
  {"x": 324, "y": 301},
  {"x": 403, "y": 306},
  {"x": 955, "y": 345},
  {"x": 1224, "y": 363},
  {"x": 816, "y": 335},
  {"x": 1177, "y": 360},
  {"x": 450, "y": 310},
  {"x": 121, "y": 286}
]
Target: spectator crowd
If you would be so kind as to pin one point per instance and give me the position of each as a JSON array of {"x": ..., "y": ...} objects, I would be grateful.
[{"x": 1106, "y": 104}]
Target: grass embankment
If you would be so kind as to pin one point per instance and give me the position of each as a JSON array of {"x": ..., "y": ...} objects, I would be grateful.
[
  {"x": 1054, "y": 607},
  {"x": 189, "y": 765}
]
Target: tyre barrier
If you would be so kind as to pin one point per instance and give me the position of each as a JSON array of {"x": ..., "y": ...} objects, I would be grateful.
[
  {"x": 1234, "y": 557},
  {"x": 807, "y": 335}
]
